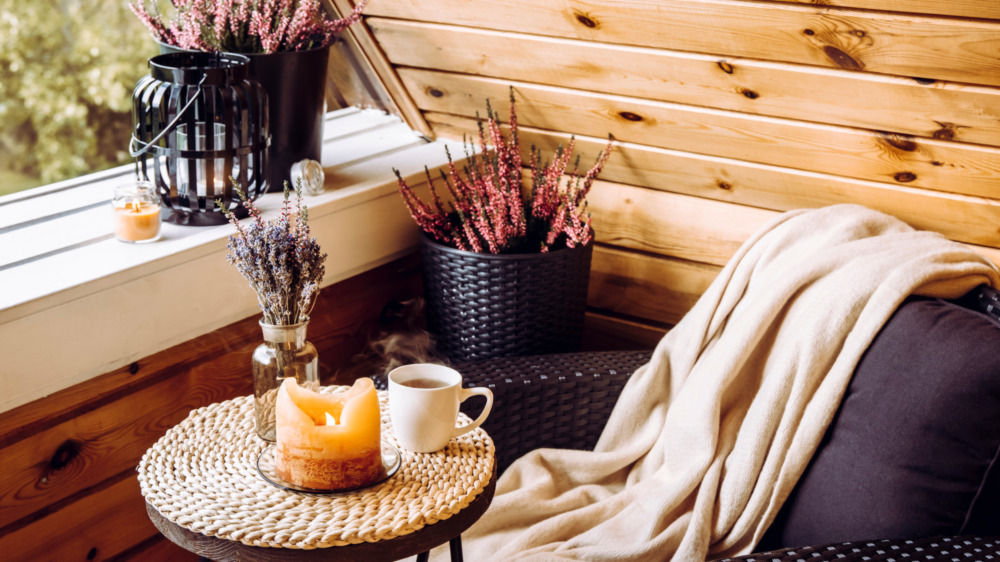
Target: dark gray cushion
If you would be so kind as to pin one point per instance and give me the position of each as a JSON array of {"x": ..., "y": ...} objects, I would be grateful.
[{"x": 913, "y": 450}]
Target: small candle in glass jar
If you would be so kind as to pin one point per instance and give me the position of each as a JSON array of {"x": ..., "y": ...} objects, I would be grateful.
[{"x": 136, "y": 209}]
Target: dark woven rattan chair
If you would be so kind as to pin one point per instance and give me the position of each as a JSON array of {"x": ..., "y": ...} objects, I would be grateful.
[
  {"x": 564, "y": 400},
  {"x": 560, "y": 400}
]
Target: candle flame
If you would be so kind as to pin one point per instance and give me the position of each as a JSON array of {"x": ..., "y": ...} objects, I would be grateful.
[
  {"x": 329, "y": 419},
  {"x": 134, "y": 206}
]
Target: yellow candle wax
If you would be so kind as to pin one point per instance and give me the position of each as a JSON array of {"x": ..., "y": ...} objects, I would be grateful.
[
  {"x": 313, "y": 453},
  {"x": 137, "y": 221}
]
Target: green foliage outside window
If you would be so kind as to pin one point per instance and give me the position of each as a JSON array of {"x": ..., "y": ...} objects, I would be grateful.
[{"x": 67, "y": 70}]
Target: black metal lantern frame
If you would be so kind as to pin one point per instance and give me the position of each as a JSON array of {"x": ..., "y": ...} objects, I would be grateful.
[{"x": 199, "y": 120}]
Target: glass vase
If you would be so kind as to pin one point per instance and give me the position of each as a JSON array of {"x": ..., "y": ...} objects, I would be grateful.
[{"x": 284, "y": 353}]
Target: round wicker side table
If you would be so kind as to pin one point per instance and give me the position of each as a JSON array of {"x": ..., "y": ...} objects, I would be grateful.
[{"x": 204, "y": 493}]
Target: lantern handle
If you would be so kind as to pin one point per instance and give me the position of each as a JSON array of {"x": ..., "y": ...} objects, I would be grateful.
[{"x": 146, "y": 146}]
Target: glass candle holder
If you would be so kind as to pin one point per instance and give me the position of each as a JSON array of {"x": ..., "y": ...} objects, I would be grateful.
[
  {"x": 189, "y": 185},
  {"x": 136, "y": 208}
]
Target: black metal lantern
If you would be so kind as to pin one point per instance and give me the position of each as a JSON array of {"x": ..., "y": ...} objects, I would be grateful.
[{"x": 199, "y": 120}]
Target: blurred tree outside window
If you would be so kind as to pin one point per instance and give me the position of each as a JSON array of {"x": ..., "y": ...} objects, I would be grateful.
[{"x": 67, "y": 70}]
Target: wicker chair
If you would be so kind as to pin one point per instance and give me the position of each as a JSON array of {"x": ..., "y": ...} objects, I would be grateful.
[
  {"x": 559, "y": 401},
  {"x": 563, "y": 401}
]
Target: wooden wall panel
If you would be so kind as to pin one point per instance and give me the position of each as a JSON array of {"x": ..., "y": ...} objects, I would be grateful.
[
  {"x": 964, "y": 8},
  {"x": 99, "y": 526},
  {"x": 72, "y": 456},
  {"x": 969, "y": 169},
  {"x": 642, "y": 286},
  {"x": 370, "y": 71},
  {"x": 612, "y": 331},
  {"x": 963, "y": 218},
  {"x": 945, "y": 110},
  {"x": 672, "y": 225},
  {"x": 68, "y": 460},
  {"x": 963, "y": 50},
  {"x": 725, "y": 113}
]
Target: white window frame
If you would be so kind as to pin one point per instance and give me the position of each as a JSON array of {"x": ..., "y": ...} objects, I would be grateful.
[{"x": 75, "y": 303}]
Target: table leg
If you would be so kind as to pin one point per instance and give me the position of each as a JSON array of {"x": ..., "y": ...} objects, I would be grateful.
[{"x": 454, "y": 546}]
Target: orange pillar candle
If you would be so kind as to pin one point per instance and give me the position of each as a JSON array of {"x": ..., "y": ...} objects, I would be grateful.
[
  {"x": 136, "y": 212},
  {"x": 328, "y": 441}
]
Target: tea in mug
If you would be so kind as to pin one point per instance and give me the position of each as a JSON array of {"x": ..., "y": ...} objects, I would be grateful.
[{"x": 424, "y": 383}]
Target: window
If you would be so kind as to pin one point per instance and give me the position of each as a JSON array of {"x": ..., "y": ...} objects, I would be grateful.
[{"x": 67, "y": 70}]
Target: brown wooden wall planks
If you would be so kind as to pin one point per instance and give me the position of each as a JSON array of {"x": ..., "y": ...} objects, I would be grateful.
[
  {"x": 904, "y": 44},
  {"x": 948, "y": 110},
  {"x": 98, "y": 526},
  {"x": 968, "y": 169},
  {"x": 637, "y": 284},
  {"x": 962, "y": 218},
  {"x": 965, "y": 8},
  {"x": 725, "y": 113}
]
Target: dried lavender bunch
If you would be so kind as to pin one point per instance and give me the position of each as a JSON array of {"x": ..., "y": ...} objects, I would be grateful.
[
  {"x": 282, "y": 263},
  {"x": 488, "y": 210},
  {"x": 243, "y": 26}
]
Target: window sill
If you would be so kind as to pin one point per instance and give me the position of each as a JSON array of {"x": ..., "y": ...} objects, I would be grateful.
[{"x": 76, "y": 303}]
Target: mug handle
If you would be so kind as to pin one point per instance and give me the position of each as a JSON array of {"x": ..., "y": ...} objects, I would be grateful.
[{"x": 466, "y": 393}]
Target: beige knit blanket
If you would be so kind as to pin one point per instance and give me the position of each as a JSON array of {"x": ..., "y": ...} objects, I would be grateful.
[{"x": 708, "y": 439}]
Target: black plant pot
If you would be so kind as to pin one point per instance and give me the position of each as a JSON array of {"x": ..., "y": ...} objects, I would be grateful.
[
  {"x": 483, "y": 305},
  {"x": 295, "y": 83}
]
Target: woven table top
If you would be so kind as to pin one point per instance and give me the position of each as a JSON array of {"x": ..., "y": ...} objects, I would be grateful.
[{"x": 202, "y": 475}]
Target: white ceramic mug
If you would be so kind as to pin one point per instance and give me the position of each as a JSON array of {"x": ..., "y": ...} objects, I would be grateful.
[{"x": 423, "y": 405}]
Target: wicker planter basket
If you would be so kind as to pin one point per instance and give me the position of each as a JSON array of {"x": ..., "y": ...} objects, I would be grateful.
[{"x": 483, "y": 305}]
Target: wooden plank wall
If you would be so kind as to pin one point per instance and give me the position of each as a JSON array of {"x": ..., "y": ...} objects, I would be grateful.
[
  {"x": 69, "y": 490},
  {"x": 726, "y": 112}
]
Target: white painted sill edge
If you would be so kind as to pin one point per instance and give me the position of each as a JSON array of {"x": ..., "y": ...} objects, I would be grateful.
[{"x": 91, "y": 304}]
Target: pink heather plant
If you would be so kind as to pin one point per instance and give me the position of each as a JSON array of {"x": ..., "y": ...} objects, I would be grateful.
[
  {"x": 243, "y": 26},
  {"x": 490, "y": 212}
]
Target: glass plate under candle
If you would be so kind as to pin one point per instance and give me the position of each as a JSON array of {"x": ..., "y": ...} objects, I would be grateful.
[{"x": 391, "y": 461}]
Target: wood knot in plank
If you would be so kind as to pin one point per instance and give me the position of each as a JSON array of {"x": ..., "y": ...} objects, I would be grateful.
[
  {"x": 899, "y": 142},
  {"x": 586, "y": 20},
  {"x": 842, "y": 59},
  {"x": 948, "y": 131},
  {"x": 905, "y": 177},
  {"x": 133, "y": 368},
  {"x": 434, "y": 92},
  {"x": 725, "y": 66},
  {"x": 748, "y": 93},
  {"x": 944, "y": 133},
  {"x": 65, "y": 453},
  {"x": 724, "y": 185},
  {"x": 629, "y": 116}
]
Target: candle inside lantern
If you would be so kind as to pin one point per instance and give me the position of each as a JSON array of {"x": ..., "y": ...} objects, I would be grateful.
[
  {"x": 328, "y": 441},
  {"x": 204, "y": 151},
  {"x": 136, "y": 209}
]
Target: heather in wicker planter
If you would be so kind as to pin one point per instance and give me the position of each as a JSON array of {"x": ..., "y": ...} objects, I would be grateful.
[{"x": 506, "y": 262}]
